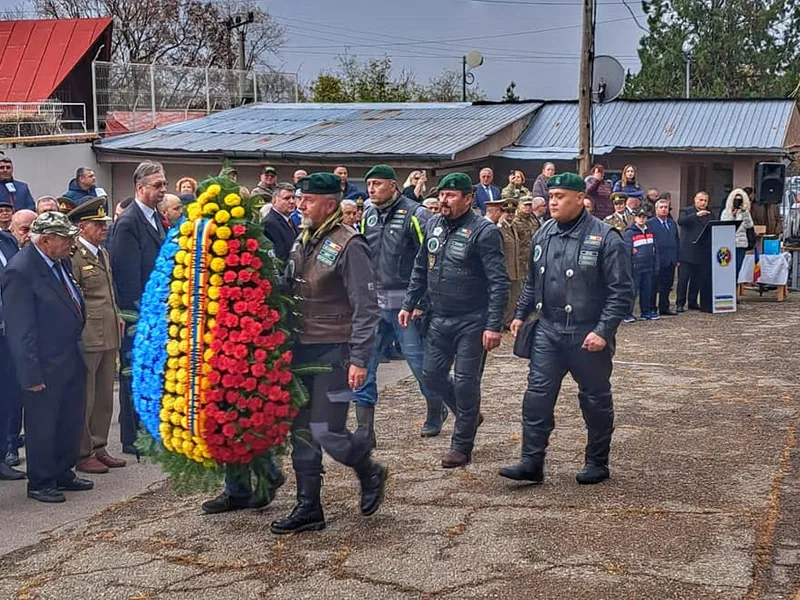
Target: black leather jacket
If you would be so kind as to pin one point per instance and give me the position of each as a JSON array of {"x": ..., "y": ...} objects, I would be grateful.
[
  {"x": 394, "y": 234},
  {"x": 580, "y": 279},
  {"x": 461, "y": 266}
]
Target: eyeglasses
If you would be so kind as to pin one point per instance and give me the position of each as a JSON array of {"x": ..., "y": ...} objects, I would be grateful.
[{"x": 157, "y": 185}]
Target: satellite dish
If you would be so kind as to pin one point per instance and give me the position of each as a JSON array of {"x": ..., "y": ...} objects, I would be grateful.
[
  {"x": 474, "y": 59},
  {"x": 608, "y": 78}
]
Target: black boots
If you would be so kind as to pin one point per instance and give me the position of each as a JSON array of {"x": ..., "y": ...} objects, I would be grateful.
[
  {"x": 591, "y": 474},
  {"x": 225, "y": 503},
  {"x": 429, "y": 430},
  {"x": 307, "y": 514},
  {"x": 531, "y": 471},
  {"x": 373, "y": 484},
  {"x": 365, "y": 417}
]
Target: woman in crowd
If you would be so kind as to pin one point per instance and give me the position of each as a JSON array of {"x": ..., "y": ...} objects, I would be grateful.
[
  {"x": 186, "y": 185},
  {"x": 414, "y": 187},
  {"x": 598, "y": 189},
  {"x": 737, "y": 208},
  {"x": 540, "y": 184},
  {"x": 516, "y": 189},
  {"x": 628, "y": 184}
]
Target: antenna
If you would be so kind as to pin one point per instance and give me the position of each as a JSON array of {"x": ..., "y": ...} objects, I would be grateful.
[{"x": 608, "y": 79}]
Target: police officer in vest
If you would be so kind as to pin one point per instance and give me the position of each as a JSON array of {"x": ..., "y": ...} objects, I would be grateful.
[
  {"x": 461, "y": 267},
  {"x": 580, "y": 284},
  {"x": 333, "y": 281},
  {"x": 393, "y": 226}
]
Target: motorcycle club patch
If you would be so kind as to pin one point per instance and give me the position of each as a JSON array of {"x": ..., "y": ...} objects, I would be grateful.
[
  {"x": 372, "y": 220},
  {"x": 592, "y": 240},
  {"x": 537, "y": 253},
  {"x": 433, "y": 245},
  {"x": 328, "y": 253},
  {"x": 587, "y": 258}
]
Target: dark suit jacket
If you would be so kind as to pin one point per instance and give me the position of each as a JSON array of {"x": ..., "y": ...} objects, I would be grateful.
[
  {"x": 133, "y": 250},
  {"x": 667, "y": 242},
  {"x": 8, "y": 246},
  {"x": 691, "y": 227},
  {"x": 481, "y": 197},
  {"x": 280, "y": 233},
  {"x": 43, "y": 326}
]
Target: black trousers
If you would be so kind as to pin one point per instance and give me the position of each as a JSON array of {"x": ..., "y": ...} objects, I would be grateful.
[
  {"x": 128, "y": 419},
  {"x": 10, "y": 397},
  {"x": 555, "y": 354},
  {"x": 456, "y": 341},
  {"x": 54, "y": 421},
  {"x": 322, "y": 423},
  {"x": 662, "y": 288},
  {"x": 688, "y": 280}
]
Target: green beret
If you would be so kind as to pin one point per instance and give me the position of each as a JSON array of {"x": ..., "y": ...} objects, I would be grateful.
[
  {"x": 381, "y": 172},
  {"x": 320, "y": 183},
  {"x": 456, "y": 181},
  {"x": 567, "y": 181}
]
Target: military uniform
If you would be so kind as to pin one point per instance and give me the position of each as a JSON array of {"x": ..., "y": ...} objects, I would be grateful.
[
  {"x": 619, "y": 221},
  {"x": 460, "y": 266},
  {"x": 393, "y": 231},
  {"x": 91, "y": 268},
  {"x": 579, "y": 281},
  {"x": 334, "y": 285},
  {"x": 512, "y": 249}
]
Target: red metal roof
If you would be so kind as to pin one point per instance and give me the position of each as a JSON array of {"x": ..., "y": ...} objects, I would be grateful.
[
  {"x": 36, "y": 56},
  {"x": 118, "y": 121}
]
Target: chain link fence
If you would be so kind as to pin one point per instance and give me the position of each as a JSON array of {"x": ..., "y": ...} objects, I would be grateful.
[{"x": 136, "y": 97}]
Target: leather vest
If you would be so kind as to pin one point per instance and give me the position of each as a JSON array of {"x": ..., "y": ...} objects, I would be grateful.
[{"x": 323, "y": 299}]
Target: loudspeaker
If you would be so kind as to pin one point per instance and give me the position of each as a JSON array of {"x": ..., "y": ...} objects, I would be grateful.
[{"x": 769, "y": 181}]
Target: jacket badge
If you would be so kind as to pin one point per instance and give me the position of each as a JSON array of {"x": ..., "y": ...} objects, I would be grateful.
[
  {"x": 328, "y": 253},
  {"x": 537, "y": 253},
  {"x": 372, "y": 220},
  {"x": 592, "y": 240},
  {"x": 433, "y": 245}
]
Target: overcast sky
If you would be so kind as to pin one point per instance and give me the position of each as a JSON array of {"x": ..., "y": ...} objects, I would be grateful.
[{"x": 534, "y": 42}]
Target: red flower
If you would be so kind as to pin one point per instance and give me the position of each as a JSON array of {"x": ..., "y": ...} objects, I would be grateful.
[
  {"x": 285, "y": 378},
  {"x": 229, "y": 430},
  {"x": 228, "y": 277},
  {"x": 257, "y": 420},
  {"x": 230, "y": 416},
  {"x": 258, "y": 370},
  {"x": 232, "y": 260},
  {"x": 260, "y": 355},
  {"x": 234, "y": 246},
  {"x": 256, "y": 263},
  {"x": 251, "y": 245},
  {"x": 216, "y": 345},
  {"x": 245, "y": 276},
  {"x": 240, "y": 351},
  {"x": 244, "y": 423},
  {"x": 250, "y": 384},
  {"x": 214, "y": 377},
  {"x": 255, "y": 404},
  {"x": 240, "y": 307},
  {"x": 238, "y": 230},
  {"x": 246, "y": 258}
]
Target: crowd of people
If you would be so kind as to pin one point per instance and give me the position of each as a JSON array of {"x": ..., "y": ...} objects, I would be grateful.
[{"x": 436, "y": 273}]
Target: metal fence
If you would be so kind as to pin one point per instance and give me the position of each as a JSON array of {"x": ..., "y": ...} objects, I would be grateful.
[
  {"x": 42, "y": 119},
  {"x": 133, "y": 97}
]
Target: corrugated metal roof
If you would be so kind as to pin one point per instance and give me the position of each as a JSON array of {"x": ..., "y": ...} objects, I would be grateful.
[
  {"x": 36, "y": 55},
  {"x": 667, "y": 124},
  {"x": 408, "y": 129}
]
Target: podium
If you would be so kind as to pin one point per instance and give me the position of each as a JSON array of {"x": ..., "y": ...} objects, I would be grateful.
[{"x": 717, "y": 244}]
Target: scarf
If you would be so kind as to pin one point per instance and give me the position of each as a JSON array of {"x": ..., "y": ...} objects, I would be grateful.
[{"x": 314, "y": 236}]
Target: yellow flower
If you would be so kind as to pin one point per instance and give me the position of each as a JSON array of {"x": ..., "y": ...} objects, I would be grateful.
[
  {"x": 185, "y": 423},
  {"x": 213, "y": 292},
  {"x": 224, "y": 233},
  {"x": 184, "y": 346},
  {"x": 193, "y": 213},
  {"x": 164, "y": 415},
  {"x": 207, "y": 368},
  {"x": 172, "y": 363},
  {"x": 185, "y": 287},
  {"x": 164, "y": 429},
  {"x": 170, "y": 375},
  {"x": 208, "y": 338},
  {"x": 175, "y": 317},
  {"x": 203, "y": 198},
  {"x": 223, "y": 216},
  {"x": 176, "y": 286},
  {"x": 174, "y": 300},
  {"x": 213, "y": 190},
  {"x": 175, "y": 419},
  {"x": 183, "y": 333},
  {"x": 180, "y": 389},
  {"x": 220, "y": 247},
  {"x": 183, "y": 361},
  {"x": 210, "y": 208},
  {"x": 232, "y": 200},
  {"x": 168, "y": 444},
  {"x": 217, "y": 265},
  {"x": 210, "y": 324},
  {"x": 177, "y": 443},
  {"x": 187, "y": 227},
  {"x": 208, "y": 354},
  {"x": 170, "y": 386},
  {"x": 187, "y": 435},
  {"x": 177, "y": 272},
  {"x": 182, "y": 375},
  {"x": 168, "y": 402},
  {"x": 215, "y": 280},
  {"x": 185, "y": 300},
  {"x": 187, "y": 260},
  {"x": 237, "y": 212},
  {"x": 172, "y": 348},
  {"x": 184, "y": 243},
  {"x": 212, "y": 308}
]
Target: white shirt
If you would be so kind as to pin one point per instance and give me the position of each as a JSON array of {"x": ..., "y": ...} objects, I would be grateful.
[{"x": 148, "y": 213}]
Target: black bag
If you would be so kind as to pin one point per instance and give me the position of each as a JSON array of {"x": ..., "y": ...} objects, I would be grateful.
[
  {"x": 751, "y": 238},
  {"x": 523, "y": 343}
]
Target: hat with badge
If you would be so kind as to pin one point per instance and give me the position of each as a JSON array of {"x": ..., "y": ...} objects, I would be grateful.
[
  {"x": 527, "y": 200},
  {"x": 269, "y": 169},
  {"x": 65, "y": 204},
  {"x": 320, "y": 183},
  {"x": 567, "y": 181},
  {"x": 509, "y": 205},
  {"x": 54, "y": 223},
  {"x": 381, "y": 172},
  {"x": 619, "y": 197},
  {"x": 357, "y": 197},
  {"x": 456, "y": 181},
  {"x": 91, "y": 210}
]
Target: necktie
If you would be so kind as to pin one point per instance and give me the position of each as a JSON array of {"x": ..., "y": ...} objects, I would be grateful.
[
  {"x": 101, "y": 257},
  {"x": 666, "y": 225},
  {"x": 489, "y": 191},
  {"x": 58, "y": 268},
  {"x": 3, "y": 259}
]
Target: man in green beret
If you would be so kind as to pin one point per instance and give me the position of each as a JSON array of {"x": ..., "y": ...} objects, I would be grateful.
[
  {"x": 580, "y": 285},
  {"x": 393, "y": 226},
  {"x": 334, "y": 285},
  {"x": 461, "y": 269}
]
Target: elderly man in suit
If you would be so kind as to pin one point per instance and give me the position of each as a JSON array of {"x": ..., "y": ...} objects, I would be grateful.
[
  {"x": 693, "y": 270},
  {"x": 278, "y": 225},
  {"x": 45, "y": 314},
  {"x": 10, "y": 392},
  {"x": 485, "y": 191},
  {"x": 91, "y": 267},
  {"x": 138, "y": 235},
  {"x": 668, "y": 241}
]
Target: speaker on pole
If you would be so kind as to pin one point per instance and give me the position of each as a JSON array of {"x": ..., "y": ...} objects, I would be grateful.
[{"x": 770, "y": 178}]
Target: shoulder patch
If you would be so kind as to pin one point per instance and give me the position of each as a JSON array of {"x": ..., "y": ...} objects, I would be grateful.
[{"x": 372, "y": 220}]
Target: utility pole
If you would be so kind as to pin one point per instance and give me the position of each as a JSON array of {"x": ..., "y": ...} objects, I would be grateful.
[
  {"x": 585, "y": 89},
  {"x": 240, "y": 22}
]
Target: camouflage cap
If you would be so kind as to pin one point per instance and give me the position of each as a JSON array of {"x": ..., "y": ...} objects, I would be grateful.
[
  {"x": 456, "y": 181},
  {"x": 54, "y": 223},
  {"x": 567, "y": 181}
]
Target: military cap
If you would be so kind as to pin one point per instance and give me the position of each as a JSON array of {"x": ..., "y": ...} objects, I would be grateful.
[
  {"x": 639, "y": 212},
  {"x": 567, "y": 181},
  {"x": 357, "y": 197},
  {"x": 65, "y": 204},
  {"x": 381, "y": 172},
  {"x": 54, "y": 223},
  {"x": 509, "y": 204},
  {"x": 91, "y": 210},
  {"x": 495, "y": 202},
  {"x": 269, "y": 169},
  {"x": 456, "y": 181},
  {"x": 618, "y": 197},
  {"x": 320, "y": 183},
  {"x": 6, "y": 204},
  {"x": 527, "y": 200}
]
